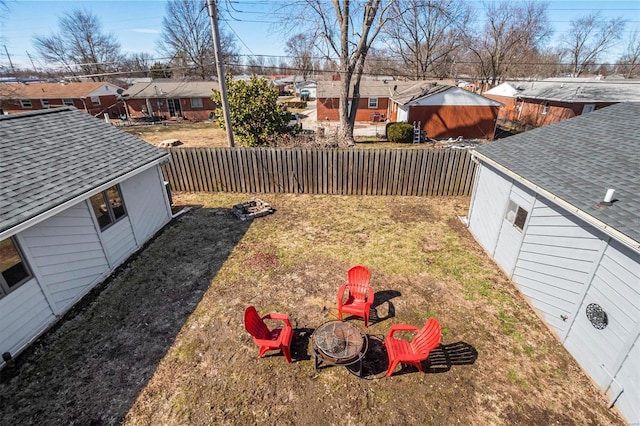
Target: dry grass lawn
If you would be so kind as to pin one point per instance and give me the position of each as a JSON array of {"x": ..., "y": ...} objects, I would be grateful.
[{"x": 162, "y": 342}]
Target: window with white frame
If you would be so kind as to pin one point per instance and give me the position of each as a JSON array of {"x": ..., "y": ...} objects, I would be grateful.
[
  {"x": 373, "y": 102},
  {"x": 108, "y": 207},
  {"x": 45, "y": 103},
  {"x": 196, "y": 102},
  {"x": 516, "y": 215},
  {"x": 95, "y": 100},
  {"x": 26, "y": 103},
  {"x": 13, "y": 269},
  {"x": 68, "y": 102}
]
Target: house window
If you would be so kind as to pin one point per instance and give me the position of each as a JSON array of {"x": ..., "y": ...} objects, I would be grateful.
[
  {"x": 68, "y": 102},
  {"x": 588, "y": 108},
  {"x": 108, "y": 206},
  {"x": 13, "y": 268},
  {"x": 26, "y": 103},
  {"x": 545, "y": 107},
  {"x": 196, "y": 102},
  {"x": 516, "y": 215},
  {"x": 45, "y": 103},
  {"x": 373, "y": 102},
  {"x": 95, "y": 100}
]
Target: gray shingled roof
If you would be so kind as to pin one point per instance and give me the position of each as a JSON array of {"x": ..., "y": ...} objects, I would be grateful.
[
  {"x": 51, "y": 156},
  {"x": 578, "y": 159},
  {"x": 173, "y": 89},
  {"x": 579, "y": 90}
]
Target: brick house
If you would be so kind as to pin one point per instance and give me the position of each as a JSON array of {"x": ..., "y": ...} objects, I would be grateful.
[
  {"x": 540, "y": 103},
  {"x": 95, "y": 98},
  {"x": 372, "y": 106},
  {"x": 171, "y": 99}
]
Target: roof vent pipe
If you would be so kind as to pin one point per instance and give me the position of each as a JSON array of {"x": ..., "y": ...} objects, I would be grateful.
[{"x": 608, "y": 197}]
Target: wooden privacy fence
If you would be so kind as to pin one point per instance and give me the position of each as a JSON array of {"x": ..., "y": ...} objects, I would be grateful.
[{"x": 420, "y": 172}]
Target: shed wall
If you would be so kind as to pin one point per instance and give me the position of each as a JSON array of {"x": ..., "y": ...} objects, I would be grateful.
[
  {"x": 562, "y": 266},
  {"x": 25, "y": 313},
  {"x": 67, "y": 253},
  {"x": 487, "y": 210},
  {"x": 145, "y": 197},
  {"x": 558, "y": 255}
]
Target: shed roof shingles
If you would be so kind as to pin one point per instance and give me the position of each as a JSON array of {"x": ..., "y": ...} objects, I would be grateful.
[
  {"x": 577, "y": 160},
  {"x": 50, "y": 157}
]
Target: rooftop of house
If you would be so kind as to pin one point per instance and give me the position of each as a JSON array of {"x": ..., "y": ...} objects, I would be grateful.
[
  {"x": 579, "y": 159},
  {"x": 368, "y": 88},
  {"x": 60, "y": 90},
  {"x": 441, "y": 94},
  {"x": 49, "y": 157},
  {"x": 579, "y": 90},
  {"x": 172, "y": 89}
]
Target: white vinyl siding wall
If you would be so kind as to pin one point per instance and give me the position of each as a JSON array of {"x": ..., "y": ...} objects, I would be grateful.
[
  {"x": 615, "y": 288},
  {"x": 149, "y": 212},
  {"x": 66, "y": 254},
  {"x": 490, "y": 197},
  {"x": 118, "y": 240},
  {"x": 25, "y": 313},
  {"x": 562, "y": 265},
  {"x": 555, "y": 263}
]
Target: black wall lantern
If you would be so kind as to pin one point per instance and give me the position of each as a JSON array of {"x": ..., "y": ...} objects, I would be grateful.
[{"x": 597, "y": 316}]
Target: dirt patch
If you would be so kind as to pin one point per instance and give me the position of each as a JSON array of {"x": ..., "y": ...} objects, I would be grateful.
[{"x": 162, "y": 342}]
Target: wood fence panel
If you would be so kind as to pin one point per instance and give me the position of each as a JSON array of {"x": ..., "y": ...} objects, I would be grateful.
[{"x": 408, "y": 172}]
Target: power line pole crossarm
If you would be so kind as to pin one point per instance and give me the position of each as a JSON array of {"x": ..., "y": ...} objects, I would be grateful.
[{"x": 213, "y": 16}]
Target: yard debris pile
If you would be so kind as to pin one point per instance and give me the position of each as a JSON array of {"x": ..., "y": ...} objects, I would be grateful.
[{"x": 252, "y": 209}]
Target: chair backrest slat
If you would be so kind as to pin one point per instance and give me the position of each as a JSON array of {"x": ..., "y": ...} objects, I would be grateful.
[
  {"x": 359, "y": 279},
  {"x": 254, "y": 324},
  {"x": 428, "y": 337}
]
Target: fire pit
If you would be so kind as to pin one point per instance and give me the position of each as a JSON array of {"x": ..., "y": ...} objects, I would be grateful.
[
  {"x": 339, "y": 343},
  {"x": 252, "y": 209}
]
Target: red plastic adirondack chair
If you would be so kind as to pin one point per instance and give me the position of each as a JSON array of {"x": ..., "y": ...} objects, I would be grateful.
[
  {"x": 276, "y": 339},
  {"x": 417, "y": 350},
  {"x": 360, "y": 295}
]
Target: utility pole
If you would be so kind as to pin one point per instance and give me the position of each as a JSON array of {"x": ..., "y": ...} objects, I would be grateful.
[
  {"x": 213, "y": 16},
  {"x": 32, "y": 64}
]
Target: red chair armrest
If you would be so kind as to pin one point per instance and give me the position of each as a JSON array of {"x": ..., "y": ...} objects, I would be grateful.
[
  {"x": 341, "y": 293},
  {"x": 401, "y": 327},
  {"x": 277, "y": 316}
]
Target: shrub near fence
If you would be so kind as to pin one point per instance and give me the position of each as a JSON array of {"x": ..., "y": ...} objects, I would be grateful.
[{"x": 419, "y": 172}]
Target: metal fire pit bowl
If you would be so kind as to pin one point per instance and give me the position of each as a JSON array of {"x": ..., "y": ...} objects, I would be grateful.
[{"x": 339, "y": 343}]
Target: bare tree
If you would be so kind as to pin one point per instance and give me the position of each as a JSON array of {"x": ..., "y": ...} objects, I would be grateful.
[
  {"x": 138, "y": 64},
  {"x": 630, "y": 60},
  {"x": 256, "y": 65},
  {"x": 513, "y": 31},
  {"x": 426, "y": 33},
  {"x": 345, "y": 29},
  {"x": 186, "y": 36},
  {"x": 301, "y": 47},
  {"x": 589, "y": 37},
  {"x": 80, "y": 44}
]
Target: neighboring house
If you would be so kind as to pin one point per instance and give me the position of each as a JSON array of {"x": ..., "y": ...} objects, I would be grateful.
[
  {"x": 538, "y": 209},
  {"x": 372, "y": 106},
  {"x": 169, "y": 99},
  {"x": 309, "y": 85},
  {"x": 77, "y": 198},
  {"x": 540, "y": 103},
  {"x": 445, "y": 111},
  {"x": 507, "y": 95},
  {"x": 96, "y": 98}
]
